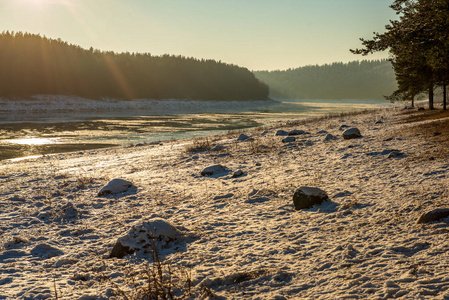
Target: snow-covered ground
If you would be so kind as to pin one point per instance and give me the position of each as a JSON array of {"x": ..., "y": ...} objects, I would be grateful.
[{"x": 241, "y": 236}]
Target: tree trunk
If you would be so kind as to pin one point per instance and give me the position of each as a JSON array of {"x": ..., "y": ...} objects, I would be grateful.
[
  {"x": 413, "y": 100},
  {"x": 431, "y": 97},
  {"x": 444, "y": 96}
]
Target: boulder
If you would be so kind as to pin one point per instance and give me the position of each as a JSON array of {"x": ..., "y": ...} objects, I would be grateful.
[
  {"x": 146, "y": 235},
  {"x": 343, "y": 127},
  {"x": 289, "y": 139},
  {"x": 115, "y": 186},
  {"x": 352, "y": 133},
  {"x": 307, "y": 197},
  {"x": 434, "y": 215},
  {"x": 281, "y": 132},
  {"x": 213, "y": 170},
  {"x": 296, "y": 132}
]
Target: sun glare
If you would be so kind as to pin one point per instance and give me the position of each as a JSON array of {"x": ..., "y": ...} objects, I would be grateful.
[
  {"x": 33, "y": 141},
  {"x": 35, "y": 4}
]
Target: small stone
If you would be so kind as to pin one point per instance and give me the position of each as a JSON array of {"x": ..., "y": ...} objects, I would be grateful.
[
  {"x": 434, "y": 215},
  {"x": 281, "y": 132},
  {"x": 390, "y": 283},
  {"x": 352, "y": 133},
  {"x": 307, "y": 197},
  {"x": 237, "y": 174},
  {"x": 120, "y": 250},
  {"x": 329, "y": 137},
  {"x": 395, "y": 153},
  {"x": 217, "y": 147},
  {"x": 243, "y": 137},
  {"x": 289, "y": 139},
  {"x": 221, "y": 197},
  {"x": 296, "y": 132}
]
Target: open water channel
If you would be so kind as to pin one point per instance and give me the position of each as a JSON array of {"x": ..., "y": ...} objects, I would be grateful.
[{"x": 31, "y": 133}]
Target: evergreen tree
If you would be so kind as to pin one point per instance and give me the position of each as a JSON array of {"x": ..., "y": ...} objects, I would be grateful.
[{"x": 418, "y": 44}]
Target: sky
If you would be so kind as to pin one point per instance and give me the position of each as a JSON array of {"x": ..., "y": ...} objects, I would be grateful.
[{"x": 256, "y": 34}]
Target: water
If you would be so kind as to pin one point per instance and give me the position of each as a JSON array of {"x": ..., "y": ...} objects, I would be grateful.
[{"x": 31, "y": 134}]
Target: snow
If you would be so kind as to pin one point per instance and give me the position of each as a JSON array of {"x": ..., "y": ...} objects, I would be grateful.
[{"x": 246, "y": 240}]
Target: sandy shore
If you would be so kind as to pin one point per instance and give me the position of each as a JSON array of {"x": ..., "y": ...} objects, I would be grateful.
[{"x": 241, "y": 236}]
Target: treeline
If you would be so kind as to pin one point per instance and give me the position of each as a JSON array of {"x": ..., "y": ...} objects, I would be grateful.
[
  {"x": 418, "y": 46},
  {"x": 367, "y": 79},
  {"x": 31, "y": 64}
]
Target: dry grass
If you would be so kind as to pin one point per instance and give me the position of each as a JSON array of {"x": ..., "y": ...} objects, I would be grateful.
[
  {"x": 158, "y": 280},
  {"x": 198, "y": 145},
  {"x": 431, "y": 126},
  {"x": 84, "y": 182}
]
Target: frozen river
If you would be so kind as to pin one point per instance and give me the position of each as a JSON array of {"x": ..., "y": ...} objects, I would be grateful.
[{"x": 32, "y": 128}]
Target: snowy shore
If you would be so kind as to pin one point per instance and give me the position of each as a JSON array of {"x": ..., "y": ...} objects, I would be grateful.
[{"x": 242, "y": 237}]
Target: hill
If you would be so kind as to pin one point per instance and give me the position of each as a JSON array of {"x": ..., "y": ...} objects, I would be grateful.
[
  {"x": 353, "y": 80},
  {"x": 32, "y": 64}
]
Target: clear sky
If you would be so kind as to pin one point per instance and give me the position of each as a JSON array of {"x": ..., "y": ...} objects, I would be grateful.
[{"x": 257, "y": 34}]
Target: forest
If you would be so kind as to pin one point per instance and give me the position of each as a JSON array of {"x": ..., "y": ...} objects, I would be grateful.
[
  {"x": 418, "y": 47},
  {"x": 367, "y": 79},
  {"x": 32, "y": 64}
]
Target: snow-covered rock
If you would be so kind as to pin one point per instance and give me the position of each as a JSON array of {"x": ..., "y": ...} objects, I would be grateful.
[
  {"x": 307, "y": 197},
  {"x": 115, "y": 186},
  {"x": 45, "y": 251},
  {"x": 146, "y": 236},
  {"x": 213, "y": 170},
  {"x": 296, "y": 132}
]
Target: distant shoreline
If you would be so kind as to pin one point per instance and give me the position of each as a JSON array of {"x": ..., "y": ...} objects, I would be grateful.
[{"x": 57, "y": 103}]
